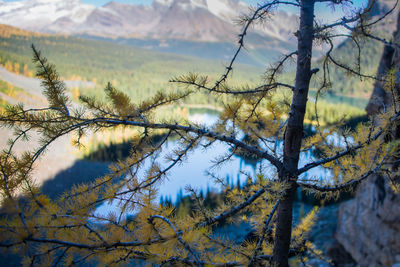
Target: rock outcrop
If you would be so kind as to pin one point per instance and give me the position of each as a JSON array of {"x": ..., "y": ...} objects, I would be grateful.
[{"x": 369, "y": 225}]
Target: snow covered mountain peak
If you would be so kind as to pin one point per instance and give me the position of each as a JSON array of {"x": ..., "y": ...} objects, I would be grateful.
[
  {"x": 38, "y": 14},
  {"x": 199, "y": 20},
  {"x": 226, "y": 9},
  {"x": 217, "y": 7},
  {"x": 163, "y": 2},
  {"x": 51, "y": 2}
]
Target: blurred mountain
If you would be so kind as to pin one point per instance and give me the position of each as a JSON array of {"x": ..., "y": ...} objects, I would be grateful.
[
  {"x": 184, "y": 20},
  {"x": 38, "y": 15}
]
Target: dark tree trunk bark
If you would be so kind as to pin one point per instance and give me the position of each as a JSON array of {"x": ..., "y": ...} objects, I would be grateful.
[{"x": 294, "y": 133}]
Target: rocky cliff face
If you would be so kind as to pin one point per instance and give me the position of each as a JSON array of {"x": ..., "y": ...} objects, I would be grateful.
[{"x": 369, "y": 225}]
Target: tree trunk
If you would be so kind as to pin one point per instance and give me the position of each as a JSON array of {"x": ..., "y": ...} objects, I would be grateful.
[{"x": 294, "y": 133}]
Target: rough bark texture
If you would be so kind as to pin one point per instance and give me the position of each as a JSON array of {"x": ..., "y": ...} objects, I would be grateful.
[
  {"x": 369, "y": 225},
  {"x": 294, "y": 133}
]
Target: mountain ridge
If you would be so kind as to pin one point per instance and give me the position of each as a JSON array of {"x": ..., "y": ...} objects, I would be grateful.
[{"x": 164, "y": 19}]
